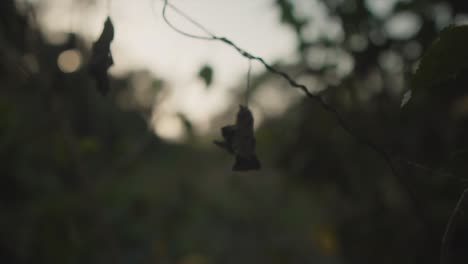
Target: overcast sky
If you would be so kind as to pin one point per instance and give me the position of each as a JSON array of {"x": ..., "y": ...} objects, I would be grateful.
[{"x": 144, "y": 41}]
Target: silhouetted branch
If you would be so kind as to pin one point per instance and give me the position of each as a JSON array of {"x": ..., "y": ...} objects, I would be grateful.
[
  {"x": 451, "y": 225},
  {"x": 108, "y": 6},
  {"x": 200, "y": 26},
  {"x": 314, "y": 96},
  {"x": 247, "y": 90},
  {"x": 441, "y": 173}
]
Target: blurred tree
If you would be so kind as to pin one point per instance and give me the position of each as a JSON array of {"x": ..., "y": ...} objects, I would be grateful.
[
  {"x": 84, "y": 179},
  {"x": 382, "y": 217}
]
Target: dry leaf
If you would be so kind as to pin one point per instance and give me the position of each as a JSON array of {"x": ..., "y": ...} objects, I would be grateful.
[
  {"x": 239, "y": 140},
  {"x": 101, "y": 57}
]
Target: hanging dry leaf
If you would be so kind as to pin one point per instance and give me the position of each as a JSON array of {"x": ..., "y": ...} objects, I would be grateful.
[
  {"x": 239, "y": 140},
  {"x": 101, "y": 57}
]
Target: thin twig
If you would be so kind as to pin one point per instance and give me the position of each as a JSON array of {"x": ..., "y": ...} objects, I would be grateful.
[
  {"x": 314, "y": 96},
  {"x": 108, "y": 7},
  {"x": 71, "y": 17},
  {"x": 247, "y": 90},
  {"x": 200, "y": 26},
  {"x": 445, "y": 246},
  {"x": 441, "y": 173}
]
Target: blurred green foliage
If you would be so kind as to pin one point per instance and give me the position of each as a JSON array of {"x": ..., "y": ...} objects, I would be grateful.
[
  {"x": 83, "y": 179},
  {"x": 206, "y": 74},
  {"x": 444, "y": 59}
]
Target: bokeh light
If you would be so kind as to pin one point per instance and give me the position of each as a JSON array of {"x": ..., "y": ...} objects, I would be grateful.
[{"x": 69, "y": 61}]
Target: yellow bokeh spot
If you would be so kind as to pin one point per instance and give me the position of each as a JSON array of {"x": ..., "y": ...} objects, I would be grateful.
[
  {"x": 325, "y": 241},
  {"x": 170, "y": 128},
  {"x": 194, "y": 259},
  {"x": 69, "y": 61}
]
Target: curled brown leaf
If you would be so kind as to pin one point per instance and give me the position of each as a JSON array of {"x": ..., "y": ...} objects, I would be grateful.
[
  {"x": 101, "y": 58},
  {"x": 239, "y": 140}
]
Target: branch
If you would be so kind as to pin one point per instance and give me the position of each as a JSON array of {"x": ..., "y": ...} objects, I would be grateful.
[
  {"x": 441, "y": 173},
  {"x": 457, "y": 212},
  {"x": 314, "y": 96}
]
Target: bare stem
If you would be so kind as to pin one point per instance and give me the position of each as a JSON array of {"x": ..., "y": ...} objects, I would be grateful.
[
  {"x": 449, "y": 229},
  {"x": 108, "y": 7},
  {"x": 247, "y": 90}
]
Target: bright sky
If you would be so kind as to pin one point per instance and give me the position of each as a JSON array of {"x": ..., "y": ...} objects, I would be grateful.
[{"x": 144, "y": 41}]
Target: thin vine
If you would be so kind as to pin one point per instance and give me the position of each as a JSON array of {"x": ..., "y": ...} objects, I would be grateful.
[
  {"x": 108, "y": 7},
  {"x": 450, "y": 228},
  {"x": 317, "y": 97},
  {"x": 211, "y": 36},
  {"x": 247, "y": 90}
]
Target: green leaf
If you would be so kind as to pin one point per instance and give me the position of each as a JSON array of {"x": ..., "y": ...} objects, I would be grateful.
[
  {"x": 444, "y": 59},
  {"x": 157, "y": 84},
  {"x": 187, "y": 124},
  {"x": 206, "y": 74},
  {"x": 288, "y": 17}
]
